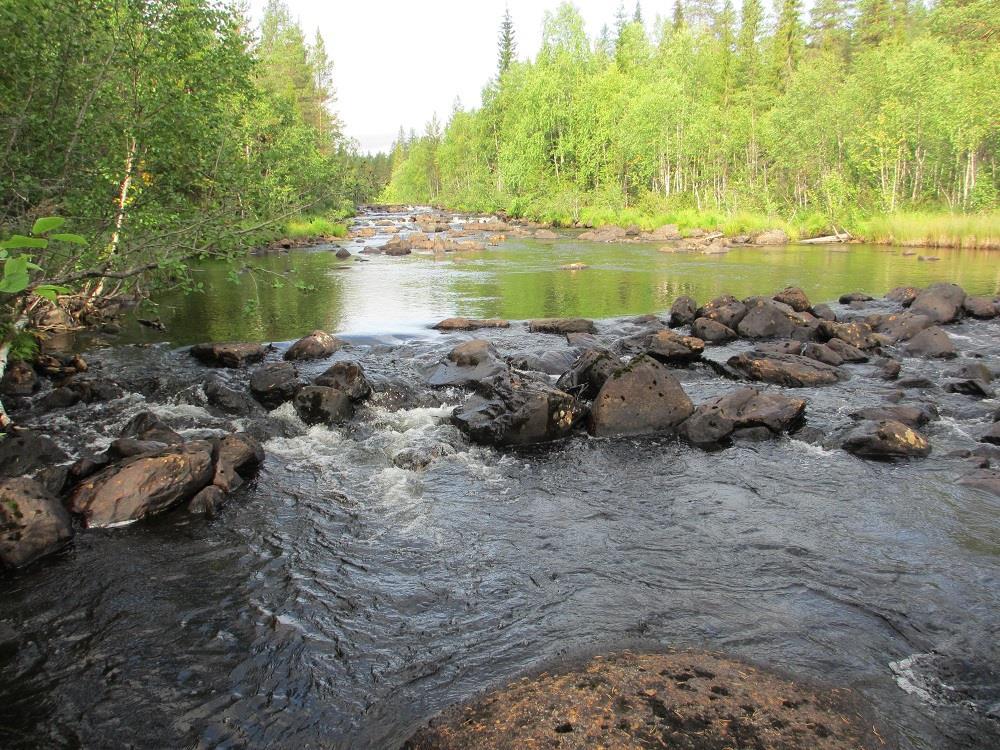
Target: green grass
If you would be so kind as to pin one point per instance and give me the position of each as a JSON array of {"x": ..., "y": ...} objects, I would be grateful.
[
  {"x": 313, "y": 226},
  {"x": 933, "y": 229}
]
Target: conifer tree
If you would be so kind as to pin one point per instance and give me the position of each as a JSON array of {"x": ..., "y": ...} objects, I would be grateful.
[
  {"x": 507, "y": 45},
  {"x": 747, "y": 51},
  {"x": 787, "y": 43}
]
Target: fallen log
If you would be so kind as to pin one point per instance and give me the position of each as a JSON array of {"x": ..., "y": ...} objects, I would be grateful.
[{"x": 828, "y": 239}]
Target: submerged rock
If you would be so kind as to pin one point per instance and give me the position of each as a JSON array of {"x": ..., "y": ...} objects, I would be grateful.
[
  {"x": 901, "y": 326},
  {"x": 517, "y": 411},
  {"x": 470, "y": 324},
  {"x": 469, "y": 362},
  {"x": 562, "y": 325},
  {"x": 846, "y": 299},
  {"x": 642, "y": 397},
  {"x": 942, "y": 303},
  {"x": 33, "y": 523},
  {"x": 148, "y": 427},
  {"x": 792, "y": 370},
  {"x": 718, "y": 418},
  {"x": 25, "y": 452},
  {"x": 144, "y": 486},
  {"x": 886, "y": 439},
  {"x": 688, "y": 701},
  {"x": 229, "y": 400},
  {"x": 231, "y": 354},
  {"x": 316, "y": 345},
  {"x": 971, "y": 387},
  {"x": 824, "y": 312}
]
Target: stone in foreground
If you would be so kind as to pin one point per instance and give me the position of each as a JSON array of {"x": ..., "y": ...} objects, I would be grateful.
[
  {"x": 886, "y": 439},
  {"x": 688, "y": 701},
  {"x": 468, "y": 363},
  {"x": 517, "y": 411},
  {"x": 931, "y": 343},
  {"x": 641, "y": 398},
  {"x": 33, "y": 523},
  {"x": 231, "y": 354},
  {"x": 143, "y": 486},
  {"x": 717, "y": 419},
  {"x": 318, "y": 404},
  {"x": 274, "y": 384}
]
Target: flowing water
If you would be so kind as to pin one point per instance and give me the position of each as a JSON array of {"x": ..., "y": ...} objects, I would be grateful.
[{"x": 342, "y": 598}]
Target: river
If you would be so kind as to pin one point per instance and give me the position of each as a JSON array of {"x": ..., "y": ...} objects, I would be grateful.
[{"x": 342, "y": 599}]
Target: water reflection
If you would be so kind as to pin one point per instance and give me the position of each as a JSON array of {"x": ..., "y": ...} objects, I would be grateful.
[{"x": 523, "y": 279}]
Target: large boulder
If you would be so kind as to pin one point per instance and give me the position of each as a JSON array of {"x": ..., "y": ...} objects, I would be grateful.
[
  {"x": 19, "y": 379},
  {"x": 792, "y": 370},
  {"x": 562, "y": 325},
  {"x": 228, "y": 354},
  {"x": 80, "y": 389},
  {"x": 822, "y": 353},
  {"x": 317, "y": 404},
  {"x": 824, "y": 312},
  {"x": 33, "y": 523},
  {"x": 229, "y": 400},
  {"x": 683, "y": 311},
  {"x": 845, "y": 351},
  {"x": 470, "y": 324},
  {"x": 275, "y": 383},
  {"x": 469, "y": 362},
  {"x": 726, "y": 310},
  {"x": 517, "y": 411},
  {"x": 766, "y": 319},
  {"x": 348, "y": 377},
  {"x": 549, "y": 361},
  {"x": 712, "y": 331},
  {"x": 983, "y": 308},
  {"x": 932, "y": 343},
  {"x": 886, "y": 439},
  {"x": 794, "y": 297},
  {"x": 941, "y": 302},
  {"x": 144, "y": 485},
  {"x": 589, "y": 373},
  {"x": 718, "y": 418},
  {"x": 639, "y": 398}
]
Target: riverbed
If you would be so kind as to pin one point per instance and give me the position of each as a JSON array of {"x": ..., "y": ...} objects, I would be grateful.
[{"x": 344, "y": 597}]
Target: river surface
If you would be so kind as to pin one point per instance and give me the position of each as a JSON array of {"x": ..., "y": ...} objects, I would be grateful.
[
  {"x": 523, "y": 279},
  {"x": 341, "y": 599}
]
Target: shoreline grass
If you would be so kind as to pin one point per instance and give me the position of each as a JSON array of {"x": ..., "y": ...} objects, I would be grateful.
[
  {"x": 306, "y": 227},
  {"x": 970, "y": 231}
]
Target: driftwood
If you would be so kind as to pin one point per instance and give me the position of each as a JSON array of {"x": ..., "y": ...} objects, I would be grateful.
[{"x": 829, "y": 239}]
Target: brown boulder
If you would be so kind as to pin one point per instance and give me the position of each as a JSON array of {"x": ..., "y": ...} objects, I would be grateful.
[
  {"x": 317, "y": 404},
  {"x": 983, "y": 308},
  {"x": 19, "y": 379},
  {"x": 942, "y": 302},
  {"x": 718, "y": 418},
  {"x": 143, "y": 486},
  {"x": 642, "y": 397},
  {"x": 792, "y": 370},
  {"x": 726, "y": 310},
  {"x": 932, "y": 343},
  {"x": 348, "y": 377},
  {"x": 316, "y": 345},
  {"x": 562, "y": 325},
  {"x": 886, "y": 439},
  {"x": 794, "y": 297},
  {"x": 712, "y": 331},
  {"x": 517, "y": 411},
  {"x": 683, "y": 311}
]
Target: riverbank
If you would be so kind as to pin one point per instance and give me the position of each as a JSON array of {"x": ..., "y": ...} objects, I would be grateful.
[{"x": 908, "y": 229}]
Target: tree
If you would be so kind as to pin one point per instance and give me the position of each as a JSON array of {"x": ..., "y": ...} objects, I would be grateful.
[
  {"x": 507, "y": 45},
  {"x": 829, "y": 28},
  {"x": 747, "y": 50},
  {"x": 875, "y": 22},
  {"x": 787, "y": 43},
  {"x": 678, "y": 18}
]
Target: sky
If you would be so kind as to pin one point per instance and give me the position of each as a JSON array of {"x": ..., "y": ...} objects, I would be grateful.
[{"x": 399, "y": 63}]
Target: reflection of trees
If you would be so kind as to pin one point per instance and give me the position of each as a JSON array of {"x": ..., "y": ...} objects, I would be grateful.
[{"x": 254, "y": 309}]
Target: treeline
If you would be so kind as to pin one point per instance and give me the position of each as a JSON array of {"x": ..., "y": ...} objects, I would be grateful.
[
  {"x": 854, "y": 110},
  {"x": 159, "y": 128}
]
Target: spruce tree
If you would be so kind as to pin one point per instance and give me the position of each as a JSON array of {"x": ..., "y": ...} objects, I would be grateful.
[
  {"x": 789, "y": 39},
  {"x": 678, "y": 14},
  {"x": 874, "y": 24},
  {"x": 747, "y": 51},
  {"x": 828, "y": 25},
  {"x": 507, "y": 46}
]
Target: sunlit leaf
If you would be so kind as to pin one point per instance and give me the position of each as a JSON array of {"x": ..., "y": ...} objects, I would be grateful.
[
  {"x": 47, "y": 224},
  {"x": 76, "y": 239},
  {"x": 19, "y": 241}
]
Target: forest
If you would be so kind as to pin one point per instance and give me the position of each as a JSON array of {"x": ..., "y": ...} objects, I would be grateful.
[
  {"x": 871, "y": 116},
  {"x": 138, "y": 136}
]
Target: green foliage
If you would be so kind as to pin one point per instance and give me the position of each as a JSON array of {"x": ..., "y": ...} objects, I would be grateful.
[
  {"x": 802, "y": 128},
  {"x": 314, "y": 226}
]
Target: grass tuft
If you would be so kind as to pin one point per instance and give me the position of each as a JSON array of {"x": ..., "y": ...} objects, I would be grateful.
[{"x": 313, "y": 226}]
